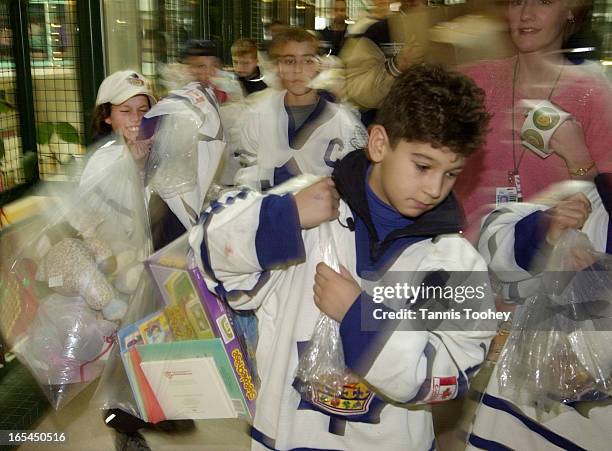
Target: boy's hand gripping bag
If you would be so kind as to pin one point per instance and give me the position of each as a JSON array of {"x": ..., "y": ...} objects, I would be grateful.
[
  {"x": 322, "y": 376},
  {"x": 559, "y": 349},
  {"x": 69, "y": 282}
]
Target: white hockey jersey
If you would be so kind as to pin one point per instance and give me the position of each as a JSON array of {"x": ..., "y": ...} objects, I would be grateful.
[
  {"x": 192, "y": 110},
  {"x": 254, "y": 254},
  {"x": 269, "y": 140},
  {"x": 500, "y": 423}
]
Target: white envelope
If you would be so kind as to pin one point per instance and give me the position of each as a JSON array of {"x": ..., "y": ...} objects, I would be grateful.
[{"x": 189, "y": 388}]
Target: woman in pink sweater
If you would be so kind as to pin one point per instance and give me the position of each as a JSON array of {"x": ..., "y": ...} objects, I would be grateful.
[{"x": 582, "y": 146}]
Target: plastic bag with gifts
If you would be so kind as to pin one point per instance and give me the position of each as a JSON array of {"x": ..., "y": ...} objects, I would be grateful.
[
  {"x": 558, "y": 350},
  {"x": 322, "y": 374},
  {"x": 68, "y": 284},
  {"x": 172, "y": 169},
  {"x": 115, "y": 390}
]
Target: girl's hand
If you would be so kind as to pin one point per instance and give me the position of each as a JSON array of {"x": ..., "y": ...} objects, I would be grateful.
[{"x": 140, "y": 149}]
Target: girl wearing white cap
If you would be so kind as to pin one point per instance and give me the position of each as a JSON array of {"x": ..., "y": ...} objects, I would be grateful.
[{"x": 123, "y": 99}]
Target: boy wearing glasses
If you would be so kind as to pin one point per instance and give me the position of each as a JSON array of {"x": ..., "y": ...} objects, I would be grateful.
[{"x": 296, "y": 130}]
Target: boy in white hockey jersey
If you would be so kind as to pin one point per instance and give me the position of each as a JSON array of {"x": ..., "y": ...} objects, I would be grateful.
[
  {"x": 296, "y": 130},
  {"x": 395, "y": 212},
  {"x": 516, "y": 241},
  {"x": 188, "y": 144}
]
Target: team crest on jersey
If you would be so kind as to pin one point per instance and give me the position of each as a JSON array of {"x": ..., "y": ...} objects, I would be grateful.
[
  {"x": 354, "y": 400},
  {"x": 442, "y": 389}
]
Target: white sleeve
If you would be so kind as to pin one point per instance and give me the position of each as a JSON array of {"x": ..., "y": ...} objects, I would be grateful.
[
  {"x": 249, "y": 138},
  {"x": 412, "y": 365},
  {"x": 243, "y": 246},
  {"x": 496, "y": 244}
]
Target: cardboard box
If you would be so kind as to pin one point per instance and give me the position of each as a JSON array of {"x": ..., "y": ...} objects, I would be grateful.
[{"x": 180, "y": 282}]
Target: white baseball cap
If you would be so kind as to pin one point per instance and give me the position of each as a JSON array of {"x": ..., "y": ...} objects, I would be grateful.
[{"x": 123, "y": 85}]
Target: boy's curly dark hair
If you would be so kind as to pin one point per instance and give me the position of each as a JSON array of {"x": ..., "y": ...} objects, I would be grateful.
[{"x": 432, "y": 104}]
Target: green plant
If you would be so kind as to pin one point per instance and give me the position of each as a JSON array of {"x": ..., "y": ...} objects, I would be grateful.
[
  {"x": 44, "y": 131},
  {"x": 66, "y": 132}
]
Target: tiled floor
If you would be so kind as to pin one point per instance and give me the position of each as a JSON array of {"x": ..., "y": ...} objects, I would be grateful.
[{"x": 85, "y": 429}]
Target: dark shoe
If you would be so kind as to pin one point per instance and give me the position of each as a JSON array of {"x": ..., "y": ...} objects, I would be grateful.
[
  {"x": 172, "y": 426},
  {"x": 130, "y": 442},
  {"x": 122, "y": 421}
]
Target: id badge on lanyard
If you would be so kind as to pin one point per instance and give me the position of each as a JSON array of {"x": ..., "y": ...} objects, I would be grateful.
[{"x": 513, "y": 193}]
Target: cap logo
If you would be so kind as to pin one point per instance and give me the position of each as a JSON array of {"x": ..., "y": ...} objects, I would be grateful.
[{"x": 135, "y": 80}]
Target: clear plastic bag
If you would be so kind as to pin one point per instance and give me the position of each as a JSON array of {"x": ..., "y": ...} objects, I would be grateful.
[
  {"x": 321, "y": 367},
  {"x": 559, "y": 348},
  {"x": 114, "y": 390},
  {"x": 176, "y": 335},
  {"x": 70, "y": 280},
  {"x": 173, "y": 162},
  {"x": 66, "y": 346}
]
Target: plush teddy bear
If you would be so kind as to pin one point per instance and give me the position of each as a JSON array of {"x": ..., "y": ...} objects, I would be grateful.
[
  {"x": 75, "y": 260},
  {"x": 75, "y": 267},
  {"x": 127, "y": 254}
]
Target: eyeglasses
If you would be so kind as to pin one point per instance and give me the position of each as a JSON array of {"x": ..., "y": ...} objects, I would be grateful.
[{"x": 292, "y": 61}]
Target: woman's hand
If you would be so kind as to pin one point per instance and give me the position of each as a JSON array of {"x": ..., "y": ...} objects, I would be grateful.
[
  {"x": 568, "y": 142},
  {"x": 571, "y": 213}
]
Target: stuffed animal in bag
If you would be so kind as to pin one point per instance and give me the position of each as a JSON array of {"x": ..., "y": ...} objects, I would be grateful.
[{"x": 76, "y": 267}]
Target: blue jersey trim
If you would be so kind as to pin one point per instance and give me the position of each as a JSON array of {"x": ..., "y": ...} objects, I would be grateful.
[
  {"x": 356, "y": 342},
  {"x": 489, "y": 445},
  {"x": 270, "y": 443},
  {"x": 529, "y": 236},
  {"x": 279, "y": 236},
  {"x": 554, "y": 438}
]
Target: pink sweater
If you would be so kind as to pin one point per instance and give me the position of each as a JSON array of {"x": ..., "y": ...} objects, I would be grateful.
[{"x": 586, "y": 96}]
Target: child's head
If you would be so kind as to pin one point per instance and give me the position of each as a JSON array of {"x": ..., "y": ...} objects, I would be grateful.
[
  {"x": 200, "y": 55},
  {"x": 294, "y": 51},
  {"x": 123, "y": 99},
  {"x": 338, "y": 12},
  {"x": 429, "y": 123},
  {"x": 244, "y": 57},
  {"x": 271, "y": 29}
]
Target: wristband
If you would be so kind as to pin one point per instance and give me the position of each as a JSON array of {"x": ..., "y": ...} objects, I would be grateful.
[{"x": 540, "y": 125}]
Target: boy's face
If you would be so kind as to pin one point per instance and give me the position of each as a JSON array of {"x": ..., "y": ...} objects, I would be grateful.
[
  {"x": 244, "y": 65},
  {"x": 298, "y": 64},
  {"x": 413, "y": 177},
  {"x": 202, "y": 68}
]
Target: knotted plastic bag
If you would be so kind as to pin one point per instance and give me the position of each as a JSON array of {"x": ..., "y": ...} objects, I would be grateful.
[
  {"x": 321, "y": 368},
  {"x": 65, "y": 286},
  {"x": 559, "y": 348}
]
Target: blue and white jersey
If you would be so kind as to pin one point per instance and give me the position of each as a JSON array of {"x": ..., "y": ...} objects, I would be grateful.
[
  {"x": 254, "y": 254},
  {"x": 276, "y": 150},
  {"x": 509, "y": 242}
]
